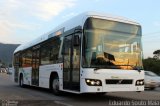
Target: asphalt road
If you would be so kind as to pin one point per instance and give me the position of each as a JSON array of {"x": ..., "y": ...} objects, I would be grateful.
[{"x": 12, "y": 94}]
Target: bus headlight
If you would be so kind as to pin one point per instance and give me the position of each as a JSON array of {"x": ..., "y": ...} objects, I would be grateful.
[
  {"x": 93, "y": 82},
  {"x": 140, "y": 82}
]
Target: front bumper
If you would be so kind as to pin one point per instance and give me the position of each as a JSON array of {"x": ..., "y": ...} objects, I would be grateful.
[{"x": 110, "y": 87}]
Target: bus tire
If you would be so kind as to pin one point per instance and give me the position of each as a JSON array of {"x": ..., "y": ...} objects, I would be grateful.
[
  {"x": 55, "y": 85},
  {"x": 21, "y": 81}
]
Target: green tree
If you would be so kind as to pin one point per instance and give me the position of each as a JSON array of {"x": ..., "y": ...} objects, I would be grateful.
[
  {"x": 156, "y": 54},
  {"x": 152, "y": 64}
]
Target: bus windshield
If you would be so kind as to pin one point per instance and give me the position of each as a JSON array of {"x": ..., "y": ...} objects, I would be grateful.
[{"x": 112, "y": 45}]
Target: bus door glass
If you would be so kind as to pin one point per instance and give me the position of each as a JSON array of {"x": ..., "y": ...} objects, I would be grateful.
[
  {"x": 71, "y": 60},
  {"x": 35, "y": 67}
]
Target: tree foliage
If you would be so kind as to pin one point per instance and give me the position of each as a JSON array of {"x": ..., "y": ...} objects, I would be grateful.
[
  {"x": 153, "y": 64},
  {"x": 156, "y": 54}
]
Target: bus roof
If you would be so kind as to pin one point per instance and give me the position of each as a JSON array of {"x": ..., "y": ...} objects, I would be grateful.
[{"x": 78, "y": 20}]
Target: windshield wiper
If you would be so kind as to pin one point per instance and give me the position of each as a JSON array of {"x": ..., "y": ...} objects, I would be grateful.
[
  {"x": 138, "y": 69},
  {"x": 106, "y": 67},
  {"x": 95, "y": 69},
  {"x": 134, "y": 67}
]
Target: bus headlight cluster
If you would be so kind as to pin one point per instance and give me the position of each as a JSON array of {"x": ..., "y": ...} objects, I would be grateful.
[
  {"x": 93, "y": 82},
  {"x": 140, "y": 82}
]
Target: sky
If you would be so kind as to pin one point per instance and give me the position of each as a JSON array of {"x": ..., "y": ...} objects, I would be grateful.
[{"x": 24, "y": 20}]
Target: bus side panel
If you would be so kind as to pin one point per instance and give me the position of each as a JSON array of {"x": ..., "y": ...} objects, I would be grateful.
[
  {"x": 45, "y": 72},
  {"x": 26, "y": 75}
]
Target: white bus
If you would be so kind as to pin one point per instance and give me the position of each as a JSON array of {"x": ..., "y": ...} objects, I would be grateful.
[{"x": 91, "y": 53}]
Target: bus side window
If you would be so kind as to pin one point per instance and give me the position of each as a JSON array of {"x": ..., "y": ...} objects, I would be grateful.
[
  {"x": 55, "y": 48},
  {"x": 45, "y": 52}
]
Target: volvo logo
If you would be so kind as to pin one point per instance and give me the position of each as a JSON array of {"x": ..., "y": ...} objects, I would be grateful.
[
  {"x": 120, "y": 81},
  {"x": 114, "y": 77}
]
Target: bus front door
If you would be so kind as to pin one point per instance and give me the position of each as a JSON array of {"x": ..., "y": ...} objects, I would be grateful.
[
  {"x": 71, "y": 60},
  {"x": 35, "y": 67}
]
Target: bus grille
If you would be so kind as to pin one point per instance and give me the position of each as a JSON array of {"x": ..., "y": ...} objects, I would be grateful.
[{"x": 119, "y": 81}]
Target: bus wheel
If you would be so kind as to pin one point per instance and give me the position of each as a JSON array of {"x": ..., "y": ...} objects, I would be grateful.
[
  {"x": 21, "y": 81},
  {"x": 55, "y": 86}
]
